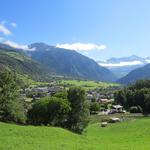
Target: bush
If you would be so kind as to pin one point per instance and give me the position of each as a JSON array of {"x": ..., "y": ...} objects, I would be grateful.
[
  {"x": 62, "y": 94},
  {"x": 94, "y": 107}
]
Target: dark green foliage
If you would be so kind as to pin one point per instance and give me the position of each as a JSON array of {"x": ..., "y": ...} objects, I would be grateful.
[
  {"x": 94, "y": 107},
  {"x": 11, "y": 106},
  {"x": 65, "y": 109},
  {"x": 137, "y": 95},
  {"x": 120, "y": 97},
  {"x": 79, "y": 115},
  {"x": 93, "y": 99},
  {"x": 62, "y": 94},
  {"x": 140, "y": 84},
  {"x": 49, "y": 111},
  {"x": 147, "y": 103}
]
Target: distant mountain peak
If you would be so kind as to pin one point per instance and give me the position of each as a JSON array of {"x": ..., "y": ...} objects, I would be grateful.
[
  {"x": 124, "y": 61},
  {"x": 40, "y": 46},
  {"x": 122, "y": 66},
  {"x": 134, "y": 57}
]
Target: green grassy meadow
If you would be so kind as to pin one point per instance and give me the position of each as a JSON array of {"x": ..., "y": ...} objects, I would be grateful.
[
  {"x": 128, "y": 135},
  {"x": 30, "y": 82},
  {"x": 86, "y": 84}
]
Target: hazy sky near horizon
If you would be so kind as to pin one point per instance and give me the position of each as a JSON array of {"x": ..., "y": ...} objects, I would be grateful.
[{"x": 99, "y": 29}]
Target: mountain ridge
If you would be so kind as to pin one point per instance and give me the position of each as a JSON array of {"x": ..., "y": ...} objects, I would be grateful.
[
  {"x": 54, "y": 61},
  {"x": 69, "y": 63},
  {"x": 137, "y": 74},
  {"x": 17, "y": 61}
]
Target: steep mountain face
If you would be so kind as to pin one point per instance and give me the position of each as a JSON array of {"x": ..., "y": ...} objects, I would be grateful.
[
  {"x": 16, "y": 60},
  {"x": 122, "y": 66},
  {"x": 69, "y": 63},
  {"x": 137, "y": 74}
]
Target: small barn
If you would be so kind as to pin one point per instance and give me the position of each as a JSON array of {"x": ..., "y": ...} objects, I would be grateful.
[
  {"x": 105, "y": 101},
  {"x": 117, "y": 108},
  {"x": 114, "y": 120}
]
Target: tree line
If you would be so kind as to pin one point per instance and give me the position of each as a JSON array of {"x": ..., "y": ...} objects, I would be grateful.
[
  {"x": 135, "y": 97},
  {"x": 67, "y": 109}
]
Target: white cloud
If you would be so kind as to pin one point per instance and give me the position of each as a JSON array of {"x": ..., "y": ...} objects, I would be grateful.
[
  {"x": 18, "y": 46},
  {"x": 82, "y": 46},
  {"x": 120, "y": 64},
  {"x": 4, "y": 30},
  {"x": 147, "y": 60},
  {"x": 13, "y": 24}
]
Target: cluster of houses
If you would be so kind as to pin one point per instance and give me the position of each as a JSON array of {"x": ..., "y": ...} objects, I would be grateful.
[
  {"x": 98, "y": 95},
  {"x": 38, "y": 92},
  {"x": 35, "y": 93},
  {"x": 105, "y": 99}
]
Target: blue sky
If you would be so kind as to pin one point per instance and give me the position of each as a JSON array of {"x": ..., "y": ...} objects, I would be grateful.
[{"x": 97, "y": 28}]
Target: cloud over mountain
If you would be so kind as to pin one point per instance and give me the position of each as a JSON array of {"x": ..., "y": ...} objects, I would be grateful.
[
  {"x": 4, "y": 30},
  {"x": 18, "y": 46},
  {"x": 82, "y": 46},
  {"x": 120, "y": 64}
]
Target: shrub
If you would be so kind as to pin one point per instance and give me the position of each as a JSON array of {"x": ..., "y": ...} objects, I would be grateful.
[
  {"x": 94, "y": 107},
  {"x": 62, "y": 94}
]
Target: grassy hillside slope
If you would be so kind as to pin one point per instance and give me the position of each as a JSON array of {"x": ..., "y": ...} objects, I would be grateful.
[
  {"x": 133, "y": 135},
  {"x": 20, "y": 63}
]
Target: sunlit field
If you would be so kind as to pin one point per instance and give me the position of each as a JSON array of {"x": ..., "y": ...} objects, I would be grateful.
[{"x": 133, "y": 134}]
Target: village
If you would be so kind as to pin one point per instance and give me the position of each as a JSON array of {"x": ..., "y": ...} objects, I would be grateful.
[{"x": 105, "y": 100}]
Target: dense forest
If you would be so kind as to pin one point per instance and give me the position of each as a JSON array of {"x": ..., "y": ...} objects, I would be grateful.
[{"x": 135, "y": 97}]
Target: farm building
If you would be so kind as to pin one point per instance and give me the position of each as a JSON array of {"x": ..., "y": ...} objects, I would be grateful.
[
  {"x": 105, "y": 101},
  {"x": 117, "y": 108}
]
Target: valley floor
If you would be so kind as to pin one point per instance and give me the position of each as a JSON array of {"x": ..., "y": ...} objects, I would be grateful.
[{"x": 129, "y": 135}]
